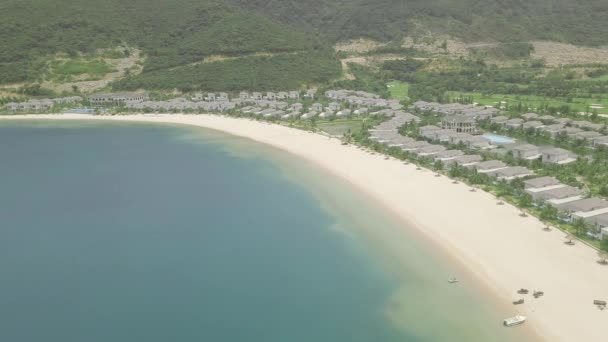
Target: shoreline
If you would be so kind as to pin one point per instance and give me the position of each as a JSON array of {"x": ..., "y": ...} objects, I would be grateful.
[{"x": 501, "y": 249}]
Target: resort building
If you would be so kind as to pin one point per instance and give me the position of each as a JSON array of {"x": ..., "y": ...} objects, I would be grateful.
[
  {"x": 557, "y": 194},
  {"x": 571, "y": 132},
  {"x": 429, "y": 150},
  {"x": 541, "y": 182},
  {"x": 317, "y": 107},
  {"x": 442, "y": 135},
  {"x": 343, "y": 113},
  {"x": 587, "y": 135},
  {"x": 327, "y": 114},
  {"x": 532, "y": 125},
  {"x": 428, "y": 128},
  {"x": 511, "y": 173},
  {"x": 117, "y": 99},
  {"x": 488, "y": 166},
  {"x": 500, "y": 120},
  {"x": 466, "y": 160},
  {"x": 600, "y": 141},
  {"x": 553, "y": 130},
  {"x": 525, "y": 151},
  {"x": 598, "y": 219},
  {"x": 309, "y": 115},
  {"x": 555, "y": 155},
  {"x": 447, "y": 155},
  {"x": 546, "y": 119},
  {"x": 514, "y": 123},
  {"x": 459, "y": 124},
  {"x": 530, "y": 116},
  {"x": 563, "y": 121},
  {"x": 585, "y": 205},
  {"x": 414, "y": 145}
]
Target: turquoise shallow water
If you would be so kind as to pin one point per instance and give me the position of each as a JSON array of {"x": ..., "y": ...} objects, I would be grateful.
[{"x": 113, "y": 232}]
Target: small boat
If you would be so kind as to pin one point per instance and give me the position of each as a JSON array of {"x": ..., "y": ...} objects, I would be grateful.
[
  {"x": 452, "y": 280},
  {"x": 599, "y": 302},
  {"x": 509, "y": 322},
  {"x": 523, "y": 291},
  {"x": 519, "y": 301}
]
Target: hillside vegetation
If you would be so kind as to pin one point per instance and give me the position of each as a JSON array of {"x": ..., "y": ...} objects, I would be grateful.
[{"x": 174, "y": 35}]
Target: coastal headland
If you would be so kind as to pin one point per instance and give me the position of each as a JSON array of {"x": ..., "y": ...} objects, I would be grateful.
[{"x": 503, "y": 250}]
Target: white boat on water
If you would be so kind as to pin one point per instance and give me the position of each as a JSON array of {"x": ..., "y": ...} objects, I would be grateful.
[
  {"x": 509, "y": 322},
  {"x": 452, "y": 280}
]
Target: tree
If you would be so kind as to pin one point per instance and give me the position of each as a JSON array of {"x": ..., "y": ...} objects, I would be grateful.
[
  {"x": 525, "y": 201},
  {"x": 548, "y": 213},
  {"x": 438, "y": 165},
  {"x": 580, "y": 226}
]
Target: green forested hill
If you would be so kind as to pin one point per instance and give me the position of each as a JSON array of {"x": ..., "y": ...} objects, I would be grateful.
[
  {"x": 176, "y": 33},
  {"x": 573, "y": 21}
]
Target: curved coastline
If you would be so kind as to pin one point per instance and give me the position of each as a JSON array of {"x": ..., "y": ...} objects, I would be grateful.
[{"x": 504, "y": 251}]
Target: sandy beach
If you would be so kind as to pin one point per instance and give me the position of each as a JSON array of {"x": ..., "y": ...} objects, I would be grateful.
[{"x": 503, "y": 250}]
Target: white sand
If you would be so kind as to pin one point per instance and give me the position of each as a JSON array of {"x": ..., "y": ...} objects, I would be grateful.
[{"x": 505, "y": 251}]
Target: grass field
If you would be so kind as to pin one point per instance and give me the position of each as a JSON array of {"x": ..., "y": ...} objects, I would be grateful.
[
  {"x": 535, "y": 102},
  {"x": 339, "y": 127},
  {"x": 601, "y": 78},
  {"x": 398, "y": 90},
  {"x": 65, "y": 70}
]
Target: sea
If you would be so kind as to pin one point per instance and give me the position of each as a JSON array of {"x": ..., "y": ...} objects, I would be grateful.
[{"x": 122, "y": 232}]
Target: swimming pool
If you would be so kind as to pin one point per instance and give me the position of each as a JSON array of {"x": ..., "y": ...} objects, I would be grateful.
[{"x": 498, "y": 139}]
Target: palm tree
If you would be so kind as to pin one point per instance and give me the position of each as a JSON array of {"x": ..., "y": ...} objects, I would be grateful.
[{"x": 603, "y": 257}]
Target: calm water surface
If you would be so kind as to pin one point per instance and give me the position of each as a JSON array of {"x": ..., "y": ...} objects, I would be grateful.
[{"x": 116, "y": 232}]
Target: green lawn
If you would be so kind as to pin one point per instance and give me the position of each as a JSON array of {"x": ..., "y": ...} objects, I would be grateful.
[
  {"x": 339, "y": 127},
  {"x": 577, "y": 104},
  {"x": 398, "y": 90},
  {"x": 64, "y": 70},
  {"x": 601, "y": 78}
]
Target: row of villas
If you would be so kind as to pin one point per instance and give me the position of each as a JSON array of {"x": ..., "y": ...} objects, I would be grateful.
[
  {"x": 555, "y": 128},
  {"x": 362, "y": 98},
  {"x": 571, "y": 203},
  {"x": 547, "y": 154},
  {"x": 548, "y": 119},
  {"x": 387, "y": 133},
  {"x": 454, "y": 136},
  {"x": 271, "y": 96},
  {"x": 317, "y": 110},
  {"x": 182, "y": 104},
  {"x": 117, "y": 99},
  {"x": 468, "y": 110},
  {"x": 41, "y": 105}
]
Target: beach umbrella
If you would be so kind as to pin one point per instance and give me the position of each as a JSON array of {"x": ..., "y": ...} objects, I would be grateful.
[{"x": 570, "y": 239}]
